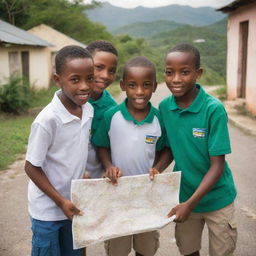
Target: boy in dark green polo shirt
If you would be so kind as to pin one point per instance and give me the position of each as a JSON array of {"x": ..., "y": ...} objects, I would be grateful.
[
  {"x": 196, "y": 126},
  {"x": 105, "y": 58}
]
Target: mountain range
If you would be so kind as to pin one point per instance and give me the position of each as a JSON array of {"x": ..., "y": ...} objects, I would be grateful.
[{"x": 114, "y": 17}]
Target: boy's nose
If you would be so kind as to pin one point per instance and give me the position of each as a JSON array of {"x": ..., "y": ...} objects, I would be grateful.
[
  {"x": 104, "y": 74},
  {"x": 85, "y": 86},
  {"x": 139, "y": 90},
  {"x": 176, "y": 78}
]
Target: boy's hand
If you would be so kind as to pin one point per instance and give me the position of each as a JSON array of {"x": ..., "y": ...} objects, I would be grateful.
[
  {"x": 70, "y": 210},
  {"x": 181, "y": 211},
  {"x": 152, "y": 173},
  {"x": 113, "y": 173}
]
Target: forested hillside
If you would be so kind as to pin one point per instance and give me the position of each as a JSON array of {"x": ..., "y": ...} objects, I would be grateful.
[
  {"x": 114, "y": 17},
  {"x": 146, "y": 29}
]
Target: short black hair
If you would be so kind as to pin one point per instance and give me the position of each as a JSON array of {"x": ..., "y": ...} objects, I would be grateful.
[
  {"x": 101, "y": 46},
  {"x": 69, "y": 52},
  {"x": 139, "y": 61},
  {"x": 189, "y": 48}
]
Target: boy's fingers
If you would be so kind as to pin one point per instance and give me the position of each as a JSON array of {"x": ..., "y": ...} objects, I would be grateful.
[{"x": 171, "y": 213}]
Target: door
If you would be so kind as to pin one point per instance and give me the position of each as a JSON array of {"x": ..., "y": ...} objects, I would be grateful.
[
  {"x": 25, "y": 64},
  {"x": 242, "y": 57}
]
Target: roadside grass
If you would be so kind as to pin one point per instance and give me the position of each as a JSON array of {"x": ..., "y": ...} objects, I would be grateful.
[
  {"x": 221, "y": 92},
  {"x": 15, "y": 129}
]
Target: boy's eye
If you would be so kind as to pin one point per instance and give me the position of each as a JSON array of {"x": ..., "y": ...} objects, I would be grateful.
[
  {"x": 90, "y": 79},
  {"x": 168, "y": 72},
  {"x": 75, "y": 80},
  {"x": 98, "y": 67},
  {"x": 185, "y": 72},
  {"x": 112, "y": 71},
  {"x": 147, "y": 85},
  {"x": 131, "y": 85}
]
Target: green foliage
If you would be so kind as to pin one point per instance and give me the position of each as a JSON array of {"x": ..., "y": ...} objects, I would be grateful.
[
  {"x": 63, "y": 15},
  {"x": 221, "y": 92},
  {"x": 40, "y": 98},
  {"x": 127, "y": 48},
  {"x": 14, "y": 96},
  {"x": 146, "y": 29}
]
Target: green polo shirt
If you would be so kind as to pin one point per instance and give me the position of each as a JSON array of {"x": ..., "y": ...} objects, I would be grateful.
[
  {"x": 194, "y": 134},
  {"x": 133, "y": 144},
  {"x": 100, "y": 105}
]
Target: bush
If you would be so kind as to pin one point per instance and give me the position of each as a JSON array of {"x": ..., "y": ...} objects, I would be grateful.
[{"x": 15, "y": 95}]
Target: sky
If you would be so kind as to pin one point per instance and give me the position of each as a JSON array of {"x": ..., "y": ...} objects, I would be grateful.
[{"x": 158, "y": 3}]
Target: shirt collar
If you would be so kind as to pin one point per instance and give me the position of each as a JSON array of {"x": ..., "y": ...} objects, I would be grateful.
[
  {"x": 126, "y": 114},
  {"x": 102, "y": 101},
  {"x": 63, "y": 113},
  {"x": 196, "y": 104}
]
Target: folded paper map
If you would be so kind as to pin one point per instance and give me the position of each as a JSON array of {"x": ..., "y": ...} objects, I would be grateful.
[{"x": 135, "y": 205}]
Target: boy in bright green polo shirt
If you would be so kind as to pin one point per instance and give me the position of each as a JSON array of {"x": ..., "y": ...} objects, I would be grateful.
[
  {"x": 105, "y": 58},
  {"x": 129, "y": 137},
  {"x": 196, "y": 127}
]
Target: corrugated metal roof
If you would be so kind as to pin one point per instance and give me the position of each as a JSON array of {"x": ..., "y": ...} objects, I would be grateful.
[
  {"x": 234, "y": 5},
  {"x": 14, "y": 35}
]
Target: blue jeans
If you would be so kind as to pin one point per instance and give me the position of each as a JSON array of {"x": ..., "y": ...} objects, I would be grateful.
[{"x": 53, "y": 238}]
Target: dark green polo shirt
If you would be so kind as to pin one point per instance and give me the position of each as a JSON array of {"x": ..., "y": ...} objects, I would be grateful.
[
  {"x": 100, "y": 106},
  {"x": 194, "y": 134}
]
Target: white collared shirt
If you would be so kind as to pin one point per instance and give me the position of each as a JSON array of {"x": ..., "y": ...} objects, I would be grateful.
[{"x": 58, "y": 143}]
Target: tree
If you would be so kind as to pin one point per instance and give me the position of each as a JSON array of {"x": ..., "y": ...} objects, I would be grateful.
[{"x": 64, "y": 15}]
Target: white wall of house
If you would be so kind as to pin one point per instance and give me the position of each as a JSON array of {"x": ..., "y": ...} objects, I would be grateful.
[
  {"x": 39, "y": 64},
  {"x": 242, "y": 14}
]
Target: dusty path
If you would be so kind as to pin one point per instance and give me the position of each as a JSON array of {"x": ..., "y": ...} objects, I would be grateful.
[{"x": 15, "y": 225}]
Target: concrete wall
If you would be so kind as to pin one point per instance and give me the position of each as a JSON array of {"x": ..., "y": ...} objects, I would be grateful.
[
  {"x": 39, "y": 64},
  {"x": 246, "y": 13}
]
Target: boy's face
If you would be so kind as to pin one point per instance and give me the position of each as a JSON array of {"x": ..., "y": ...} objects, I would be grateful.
[
  {"x": 181, "y": 73},
  {"x": 139, "y": 83},
  {"x": 105, "y": 64},
  {"x": 76, "y": 81}
]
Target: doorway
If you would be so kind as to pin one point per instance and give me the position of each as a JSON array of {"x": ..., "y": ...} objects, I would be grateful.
[{"x": 242, "y": 63}]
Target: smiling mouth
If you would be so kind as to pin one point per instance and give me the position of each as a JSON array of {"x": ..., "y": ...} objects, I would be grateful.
[
  {"x": 83, "y": 96},
  {"x": 139, "y": 100}
]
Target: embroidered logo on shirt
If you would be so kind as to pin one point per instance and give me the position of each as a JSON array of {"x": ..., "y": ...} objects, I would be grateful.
[
  {"x": 199, "y": 132},
  {"x": 150, "y": 139}
]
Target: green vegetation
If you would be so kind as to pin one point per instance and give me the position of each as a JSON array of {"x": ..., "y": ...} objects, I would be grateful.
[
  {"x": 14, "y": 95},
  {"x": 221, "y": 93},
  {"x": 64, "y": 15},
  {"x": 14, "y": 131},
  {"x": 108, "y": 15},
  {"x": 146, "y": 29}
]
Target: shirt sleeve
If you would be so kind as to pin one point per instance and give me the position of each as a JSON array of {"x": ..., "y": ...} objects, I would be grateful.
[
  {"x": 162, "y": 140},
  {"x": 218, "y": 141},
  {"x": 38, "y": 144}
]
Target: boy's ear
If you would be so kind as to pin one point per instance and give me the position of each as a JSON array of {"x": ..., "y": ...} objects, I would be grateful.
[
  {"x": 56, "y": 79},
  {"x": 199, "y": 72},
  {"x": 122, "y": 86}
]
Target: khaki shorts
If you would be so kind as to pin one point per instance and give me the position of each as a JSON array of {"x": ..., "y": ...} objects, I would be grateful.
[
  {"x": 143, "y": 243},
  {"x": 222, "y": 232}
]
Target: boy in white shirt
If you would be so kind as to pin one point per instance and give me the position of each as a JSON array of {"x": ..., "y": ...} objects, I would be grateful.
[{"x": 57, "y": 153}]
